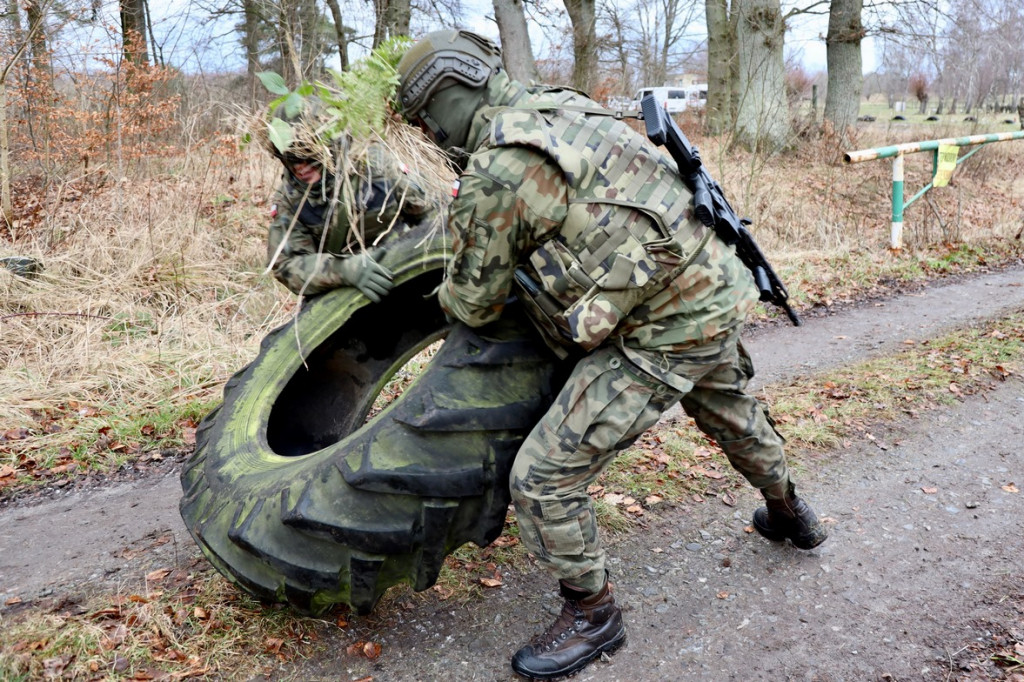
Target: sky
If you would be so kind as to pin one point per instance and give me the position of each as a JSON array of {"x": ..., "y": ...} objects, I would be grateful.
[
  {"x": 805, "y": 36},
  {"x": 189, "y": 40}
]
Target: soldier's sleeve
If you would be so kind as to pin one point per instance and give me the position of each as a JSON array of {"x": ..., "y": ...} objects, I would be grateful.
[
  {"x": 294, "y": 248},
  {"x": 504, "y": 205}
]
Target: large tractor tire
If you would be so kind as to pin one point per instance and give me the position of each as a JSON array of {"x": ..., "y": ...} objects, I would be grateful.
[{"x": 294, "y": 496}]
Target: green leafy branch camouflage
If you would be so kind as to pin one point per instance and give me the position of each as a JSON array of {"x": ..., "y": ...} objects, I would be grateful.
[
  {"x": 318, "y": 120},
  {"x": 356, "y": 105}
]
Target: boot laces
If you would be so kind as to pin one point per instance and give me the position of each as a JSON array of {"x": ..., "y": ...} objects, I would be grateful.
[{"x": 568, "y": 623}]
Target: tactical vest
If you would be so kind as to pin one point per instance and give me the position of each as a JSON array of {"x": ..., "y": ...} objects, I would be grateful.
[{"x": 628, "y": 232}]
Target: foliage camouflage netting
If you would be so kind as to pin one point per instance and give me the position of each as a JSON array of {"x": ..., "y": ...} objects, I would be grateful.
[{"x": 336, "y": 123}]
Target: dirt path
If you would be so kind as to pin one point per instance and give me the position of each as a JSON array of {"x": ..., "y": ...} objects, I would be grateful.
[
  {"x": 908, "y": 578},
  {"x": 906, "y": 585}
]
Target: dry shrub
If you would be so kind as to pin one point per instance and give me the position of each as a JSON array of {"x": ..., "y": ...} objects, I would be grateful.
[
  {"x": 113, "y": 116},
  {"x": 153, "y": 291},
  {"x": 798, "y": 83},
  {"x": 918, "y": 87}
]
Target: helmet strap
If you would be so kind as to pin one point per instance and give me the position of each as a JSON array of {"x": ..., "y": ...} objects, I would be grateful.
[{"x": 436, "y": 131}]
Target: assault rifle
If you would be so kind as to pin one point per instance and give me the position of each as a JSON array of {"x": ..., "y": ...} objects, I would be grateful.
[{"x": 710, "y": 205}]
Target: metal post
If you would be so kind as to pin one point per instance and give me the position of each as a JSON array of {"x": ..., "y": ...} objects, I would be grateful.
[
  {"x": 896, "y": 152},
  {"x": 896, "y": 235}
]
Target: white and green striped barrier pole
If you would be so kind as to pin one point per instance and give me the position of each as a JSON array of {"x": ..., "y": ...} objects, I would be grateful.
[{"x": 945, "y": 150}]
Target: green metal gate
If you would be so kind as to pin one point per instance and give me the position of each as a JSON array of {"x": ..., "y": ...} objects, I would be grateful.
[{"x": 943, "y": 150}]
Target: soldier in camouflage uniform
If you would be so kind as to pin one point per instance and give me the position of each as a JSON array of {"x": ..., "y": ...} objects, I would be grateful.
[
  {"x": 377, "y": 198},
  {"x": 590, "y": 226}
]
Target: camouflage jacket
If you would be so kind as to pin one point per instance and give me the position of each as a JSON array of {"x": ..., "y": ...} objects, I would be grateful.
[
  {"x": 382, "y": 198},
  {"x": 598, "y": 219}
]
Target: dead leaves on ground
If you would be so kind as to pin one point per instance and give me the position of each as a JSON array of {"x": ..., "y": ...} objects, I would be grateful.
[
  {"x": 689, "y": 472},
  {"x": 175, "y": 630},
  {"x": 370, "y": 650},
  {"x": 73, "y": 439},
  {"x": 928, "y": 374}
]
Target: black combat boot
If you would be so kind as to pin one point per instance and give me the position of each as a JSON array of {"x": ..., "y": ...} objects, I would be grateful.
[
  {"x": 789, "y": 517},
  {"x": 589, "y": 625}
]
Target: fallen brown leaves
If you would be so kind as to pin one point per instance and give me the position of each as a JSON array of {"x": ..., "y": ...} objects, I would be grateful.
[
  {"x": 185, "y": 630},
  {"x": 370, "y": 650},
  {"x": 72, "y": 440}
]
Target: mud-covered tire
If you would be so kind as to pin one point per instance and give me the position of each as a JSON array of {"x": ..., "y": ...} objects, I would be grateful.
[{"x": 295, "y": 497}]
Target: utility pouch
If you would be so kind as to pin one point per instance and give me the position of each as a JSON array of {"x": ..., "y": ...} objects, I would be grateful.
[
  {"x": 545, "y": 313},
  {"x": 590, "y": 303}
]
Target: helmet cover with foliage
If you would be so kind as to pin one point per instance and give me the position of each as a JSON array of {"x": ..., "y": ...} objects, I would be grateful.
[
  {"x": 305, "y": 143},
  {"x": 442, "y": 81}
]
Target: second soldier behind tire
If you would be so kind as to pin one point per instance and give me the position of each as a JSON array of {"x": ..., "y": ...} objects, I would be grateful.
[
  {"x": 334, "y": 209},
  {"x": 582, "y": 219}
]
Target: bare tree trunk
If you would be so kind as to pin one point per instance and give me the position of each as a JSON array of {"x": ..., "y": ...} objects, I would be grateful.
[
  {"x": 6, "y": 206},
  {"x": 286, "y": 27},
  {"x": 516, "y": 52},
  {"x": 617, "y": 23},
  {"x": 734, "y": 64},
  {"x": 339, "y": 32},
  {"x": 380, "y": 23},
  {"x": 158, "y": 51},
  {"x": 845, "y": 69},
  {"x": 392, "y": 19},
  {"x": 250, "y": 41},
  {"x": 721, "y": 55},
  {"x": 39, "y": 49},
  {"x": 39, "y": 73},
  {"x": 584, "y": 42},
  {"x": 399, "y": 17},
  {"x": 133, "y": 28},
  {"x": 310, "y": 49},
  {"x": 762, "y": 120},
  {"x": 14, "y": 15}
]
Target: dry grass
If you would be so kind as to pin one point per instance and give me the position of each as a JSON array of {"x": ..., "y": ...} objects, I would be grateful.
[
  {"x": 184, "y": 625},
  {"x": 152, "y": 294},
  {"x": 811, "y": 200},
  {"x": 825, "y": 224}
]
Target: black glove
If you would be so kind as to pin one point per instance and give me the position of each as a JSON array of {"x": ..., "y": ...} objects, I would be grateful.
[{"x": 365, "y": 274}]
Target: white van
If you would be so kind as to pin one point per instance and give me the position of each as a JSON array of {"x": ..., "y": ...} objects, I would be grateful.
[{"x": 674, "y": 100}]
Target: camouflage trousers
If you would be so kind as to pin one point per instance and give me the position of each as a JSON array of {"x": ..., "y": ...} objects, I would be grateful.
[{"x": 607, "y": 404}]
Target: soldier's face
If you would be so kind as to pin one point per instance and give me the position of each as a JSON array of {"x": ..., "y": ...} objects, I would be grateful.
[{"x": 307, "y": 171}]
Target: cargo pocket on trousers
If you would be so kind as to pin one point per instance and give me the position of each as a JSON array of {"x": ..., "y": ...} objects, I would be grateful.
[{"x": 563, "y": 538}]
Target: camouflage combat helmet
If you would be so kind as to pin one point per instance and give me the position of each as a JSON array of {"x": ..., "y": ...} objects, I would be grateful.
[{"x": 442, "y": 81}]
